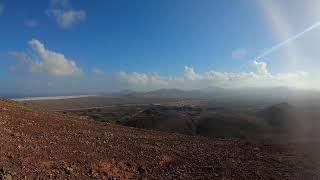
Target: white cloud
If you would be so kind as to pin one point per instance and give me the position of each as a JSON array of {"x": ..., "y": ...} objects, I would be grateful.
[
  {"x": 64, "y": 15},
  {"x": 260, "y": 77},
  {"x": 239, "y": 53},
  {"x": 45, "y": 61},
  {"x": 67, "y": 18},
  {"x": 97, "y": 71},
  {"x": 1, "y": 9},
  {"x": 31, "y": 23},
  {"x": 20, "y": 56},
  {"x": 261, "y": 68}
]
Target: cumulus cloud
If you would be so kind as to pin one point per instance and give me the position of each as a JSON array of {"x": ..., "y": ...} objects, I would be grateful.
[
  {"x": 20, "y": 56},
  {"x": 67, "y": 18},
  {"x": 64, "y": 15},
  {"x": 31, "y": 23},
  {"x": 45, "y": 61},
  {"x": 261, "y": 68},
  {"x": 239, "y": 53},
  {"x": 259, "y": 77}
]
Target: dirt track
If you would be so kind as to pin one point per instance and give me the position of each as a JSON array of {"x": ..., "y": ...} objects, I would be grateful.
[{"x": 43, "y": 145}]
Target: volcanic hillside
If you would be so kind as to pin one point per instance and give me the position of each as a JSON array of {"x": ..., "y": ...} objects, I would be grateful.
[{"x": 36, "y": 144}]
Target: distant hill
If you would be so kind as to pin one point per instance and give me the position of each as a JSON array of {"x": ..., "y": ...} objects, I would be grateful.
[
  {"x": 274, "y": 122},
  {"x": 195, "y": 121},
  {"x": 254, "y": 94},
  {"x": 280, "y": 115},
  {"x": 171, "y": 93},
  {"x": 285, "y": 119},
  {"x": 232, "y": 124},
  {"x": 163, "y": 119}
]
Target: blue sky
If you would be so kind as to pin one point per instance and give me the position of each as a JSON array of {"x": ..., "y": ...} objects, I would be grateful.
[{"x": 94, "y": 46}]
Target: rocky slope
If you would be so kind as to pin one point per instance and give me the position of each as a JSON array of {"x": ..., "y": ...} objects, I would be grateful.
[{"x": 43, "y": 145}]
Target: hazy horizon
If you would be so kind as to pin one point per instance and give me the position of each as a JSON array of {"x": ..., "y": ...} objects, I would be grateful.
[{"x": 216, "y": 92}]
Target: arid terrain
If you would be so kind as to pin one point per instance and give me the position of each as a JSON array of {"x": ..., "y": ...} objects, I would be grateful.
[
  {"x": 159, "y": 89},
  {"x": 37, "y": 144}
]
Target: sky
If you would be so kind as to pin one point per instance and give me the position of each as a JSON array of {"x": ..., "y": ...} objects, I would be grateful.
[{"x": 69, "y": 46}]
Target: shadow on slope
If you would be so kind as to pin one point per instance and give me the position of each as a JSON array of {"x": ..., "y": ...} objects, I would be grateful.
[
  {"x": 232, "y": 125},
  {"x": 278, "y": 122},
  {"x": 164, "y": 119}
]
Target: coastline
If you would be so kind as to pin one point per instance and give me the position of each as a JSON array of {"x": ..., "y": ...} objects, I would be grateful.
[{"x": 50, "y": 98}]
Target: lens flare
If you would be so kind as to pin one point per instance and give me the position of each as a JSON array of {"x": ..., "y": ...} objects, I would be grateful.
[{"x": 293, "y": 38}]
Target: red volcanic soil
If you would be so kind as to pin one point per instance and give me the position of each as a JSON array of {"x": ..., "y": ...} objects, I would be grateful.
[{"x": 36, "y": 144}]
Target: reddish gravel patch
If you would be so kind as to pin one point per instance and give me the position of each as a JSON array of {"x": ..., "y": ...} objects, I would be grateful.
[{"x": 43, "y": 145}]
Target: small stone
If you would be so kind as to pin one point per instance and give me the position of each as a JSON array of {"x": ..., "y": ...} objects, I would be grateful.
[
  {"x": 256, "y": 149},
  {"x": 7, "y": 177},
  {"x": 68, "y": 170}
]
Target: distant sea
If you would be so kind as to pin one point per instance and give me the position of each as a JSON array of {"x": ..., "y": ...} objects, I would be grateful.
[
  {"x": 11, "y": 96},
  {"x": 50, "y": 98},
  {"x": 36, "y": 96}
]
